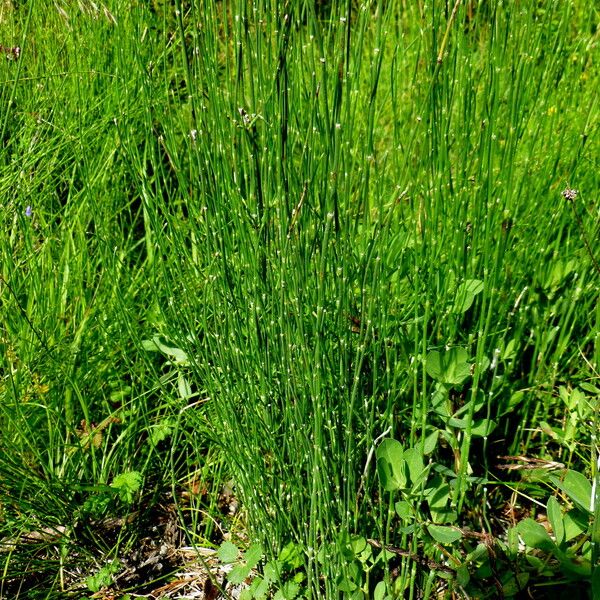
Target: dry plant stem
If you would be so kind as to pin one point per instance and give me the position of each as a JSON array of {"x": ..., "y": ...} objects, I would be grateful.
[
  {"x": 440, "y": 56},
  {"x": 424, "y": 562}
]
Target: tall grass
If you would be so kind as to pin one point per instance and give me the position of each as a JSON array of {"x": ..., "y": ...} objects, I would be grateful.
[
  {"x": 304, "y": 202},
  {"x": 343, "y": 183}
]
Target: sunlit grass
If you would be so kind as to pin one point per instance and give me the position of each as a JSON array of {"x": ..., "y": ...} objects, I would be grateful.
[{"x": 245, "y": 243}]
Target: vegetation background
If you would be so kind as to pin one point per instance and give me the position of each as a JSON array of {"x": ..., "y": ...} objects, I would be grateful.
[{"x": 312, "y": 280}]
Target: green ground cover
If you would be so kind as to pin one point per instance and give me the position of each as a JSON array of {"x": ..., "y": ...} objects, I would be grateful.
[{"x": 313, "y": 284}]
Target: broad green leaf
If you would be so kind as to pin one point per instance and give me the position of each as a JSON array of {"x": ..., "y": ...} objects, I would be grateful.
[
  {"x": 183, "y": 387},
  {"x": 127, "y": 484},
  {"x": 588, "y": 387},
  {"x": 444, "y": 534},
  {"x": 228, "y": 552},
  {"x": 558, "y": 271},
  {"x": 576, "y": 523},
  {"x": 509, "y": 350},
  {"x": 576, "y": 565},
  {"x": 360, "y": 548},
  {"x": 584, "y": 405},
  {"x": 119, "y": 395},
  {"x": 416, "y": 468},
  {"x": 253, "y": 555},
  {"x": 288, "y": 591},
  {"x": 239, "y": 574},
  {"x": 384, "y": 556},
  {"x": 565, "y": 396},
  {"x": 249, "y": 592},
  {"x": 176, "y": 354},
  {"x": 104, "y": 577},
  {"x": 457, "y": 423},
  {"x": 260, "y": 588},
  {"x": 553, "y": 432},
  {"x": 150, "y": 346},
  {"x": 439, "y": 399},
  {"x": 482, "y": 427},
  {"x": 462, "y": 576},
  {"x": 271, "y": 572},
  {"x": 366, "y": 556},
  {"x": 380, "y": 591},
  {"x": 512, "y": 540},
  {"x": 474, "y": 404},
  {"x": 556, "y": 519},
  {"x": 483, "y": 364},
  {"x": 345, "y": 546},
  {"x": 404, "y": 510},
  {"x": 437, "y": 496},
  {"x": 534, "y": 535},
  {"x": 480, "y": 554},
  {"x": 537, "y": 563},
  {"x": 391, "y": 466},
  {"x": 577, "y": 487},
  {"x": 479, "y": 428},
  {"x": 513, "y": 402},
  {"x": 449, "y": 367},
  {"x": 345, "y": 584},
  {"x": 358, "y": 543},
  {"x": 161, "y": 431},
  {"x": 431, "y": 442},
  {"x": 291, "y": 556},
  {"x": 299, "y": 577},
  {"x": 465, "y": 295},
  {"x": 444, "y": 517}
]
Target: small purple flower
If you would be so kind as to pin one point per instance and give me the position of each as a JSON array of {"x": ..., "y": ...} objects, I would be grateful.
[
  {"x": 569, "y": 194},
  {"x": 28, "y": 211}
]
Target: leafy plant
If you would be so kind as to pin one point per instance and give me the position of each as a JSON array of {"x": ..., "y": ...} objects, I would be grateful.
[
  {"x": 280, "y": 579},
  {"x": 104, "y": 577},
  {"x": 568, "y": 551},
  {"x": 248, "y": 242},
  {"x": 127, "y": 485}
]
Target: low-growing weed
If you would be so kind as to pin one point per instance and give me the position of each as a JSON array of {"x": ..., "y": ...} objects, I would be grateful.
[
  {"x": 280, "y": 579},
  {"x": 560, "y": 543}
]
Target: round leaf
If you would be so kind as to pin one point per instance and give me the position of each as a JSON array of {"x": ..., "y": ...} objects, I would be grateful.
[
  {"x": 465, "y": 295},
  {"x": 227, "y": 552},
  {"x": 534, "y": 535},
  {"x": 449, "y": 367},
  {"x": 444, "y": 534},
  {"x": 391, "y": 466}
]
